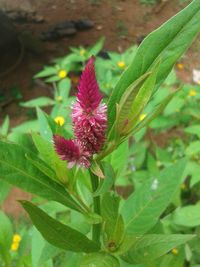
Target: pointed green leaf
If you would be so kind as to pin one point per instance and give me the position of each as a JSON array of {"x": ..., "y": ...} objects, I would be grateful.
[
  {"x": 187, "y": 216},
  {"x": 58, "y": 234},
  {"x": 152, "y": 246},
  {"x": 99, "y": 260},
  {"x": 144, "y": 206},
  {"x": 126, "y": 102},
  {"x": 18, "y": 171},
  {"x": 168, "y": 43},
  {"x": 5, "y": 126},
  {"x": 47, "y": 152},
  {"x": 114, "y": 224},
  {"x": 38, "y": 102}
]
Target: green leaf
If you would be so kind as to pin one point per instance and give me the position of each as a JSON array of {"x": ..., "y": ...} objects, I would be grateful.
[
  {"x": 93, "y": 51},
  {"x": 58, "y": 234},
  {"x": 25, "y": 127},
  {"x": 42, "y": 101},
  {"x": 187, "y": 216},
  {"x": 193, "y": 148},
  {"x": 5, "y": 126},
  {"x": 114, "y": 225},
  {"x": 157, "y": 110},
  {"x": 124, "y": 113},
  {"x": 4, "y": 191},
  {"x": 96, "y": 169},
  {"x": 18, "y": 171},
  {"x": 64, "y": 88},
  {"x": 99, "y": 260},
  {"x": 47, "y": 71},
  {"x": 52, "y": 79},
  {"x": 41, "y": 251},
  {"x": 118, "y": 158},
  {"x": 152, "y": 246},
  {"x": 168, "y": 43},
  {"x": 105, "y": 184},
  {"x": 44, "y": 127},
  {"x": 143, "y": 208},
  {"x": 49, "y": 155},
  {"x": 192, "y": 169},
  {"x": 140, "y": 100},
  {"x": 6, "y": 234},
  {"x": 194, "y": 129}
]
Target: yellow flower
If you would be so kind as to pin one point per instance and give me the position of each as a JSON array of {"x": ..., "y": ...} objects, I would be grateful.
[
  {"x": 142, "y": 117},
  {"x": 62, "y": 74},
  {"x": 198, "y": 82},
  {"x": 14, "y": 246},
  {"x": 121, "y": 64},
  {"x": 15, "y": 242},
  {"x": 192, "y": 92},
  {"x": 59, "y": 120},
  {"x": 175, "y": 251},
  {"x": 180, "y": 66},
  {"x": 82, "y": 52},
  {"x": 59, "y": 98},
  {"x": 16, "y": 238}
]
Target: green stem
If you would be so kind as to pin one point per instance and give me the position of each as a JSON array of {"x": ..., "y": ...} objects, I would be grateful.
[{"x": 96, "y": 229}]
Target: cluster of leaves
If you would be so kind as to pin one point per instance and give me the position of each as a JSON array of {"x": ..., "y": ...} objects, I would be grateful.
[{"x": 149, "y": 228}]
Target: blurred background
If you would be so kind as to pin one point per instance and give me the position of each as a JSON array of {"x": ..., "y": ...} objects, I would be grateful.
[{"x": 35, "y": 32}]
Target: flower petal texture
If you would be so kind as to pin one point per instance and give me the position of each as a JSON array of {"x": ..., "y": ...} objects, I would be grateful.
[
  {"x": 88, "y": 114},
  {"x": 89, "y": 95},
  {"x": 70, "y": 151},
  {"x": 89, "y": 117}
]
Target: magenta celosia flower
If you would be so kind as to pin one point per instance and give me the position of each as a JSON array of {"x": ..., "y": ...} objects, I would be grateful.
[
  {"x": 70, "y": 150},
  {"x": 88, "y": 114},
  {"x": 89, "y": 122}
]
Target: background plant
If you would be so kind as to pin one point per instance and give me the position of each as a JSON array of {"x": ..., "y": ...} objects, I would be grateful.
[{"x": 145, "y": 227}]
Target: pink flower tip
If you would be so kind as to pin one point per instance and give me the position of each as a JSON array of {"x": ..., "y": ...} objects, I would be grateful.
[{"x": 89, "y": 95}]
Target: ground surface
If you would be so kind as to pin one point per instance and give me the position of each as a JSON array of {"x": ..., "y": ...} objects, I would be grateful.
[{"x": 121, "y": 22}]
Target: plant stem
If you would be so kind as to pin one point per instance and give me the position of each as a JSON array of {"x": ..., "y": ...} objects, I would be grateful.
[{"x": 96, "y": 229}]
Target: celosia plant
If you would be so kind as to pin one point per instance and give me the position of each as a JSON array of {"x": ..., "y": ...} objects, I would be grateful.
[
  {"x": 118, "y": 230},
  {"x": 89, "y": 122}
]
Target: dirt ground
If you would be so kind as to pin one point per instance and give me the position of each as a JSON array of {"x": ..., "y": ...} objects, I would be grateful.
[{"x": 122, "y": 22}]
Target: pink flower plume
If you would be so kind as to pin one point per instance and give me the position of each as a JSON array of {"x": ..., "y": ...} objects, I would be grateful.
[
  {"x": 89, "y": 119},
  {"x": 89, "y": 95}
]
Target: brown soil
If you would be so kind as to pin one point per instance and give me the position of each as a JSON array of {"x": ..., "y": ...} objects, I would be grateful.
[{"x": 122, "y": 22}]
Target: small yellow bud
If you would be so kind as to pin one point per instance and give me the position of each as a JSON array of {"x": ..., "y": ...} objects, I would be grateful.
[
  {"x": 82, "y": 52},
  {"x": 59, "y": 98},
  {"x": 121, "y": 64},
  {"x": 198, "y": 82},
  {"x": 16, "y": 238},
  {"x": 59, "y": 120},
  {"x": 142, "y": 117},
  {"x": 62, "y": 74},
  {"x": 14, "y": 246},
  {"x": 175, "y": 251},
  {"x": 192, "y": 92},
  {"x": 180, "y": 66}
]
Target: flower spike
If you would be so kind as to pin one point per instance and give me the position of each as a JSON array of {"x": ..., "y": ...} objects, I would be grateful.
[
  {"x": 89, "y": 122},
  {"x": 89, "y": 95},
  {"x": 70, "y": 151},
  {"x": 88, "y": 114}
]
